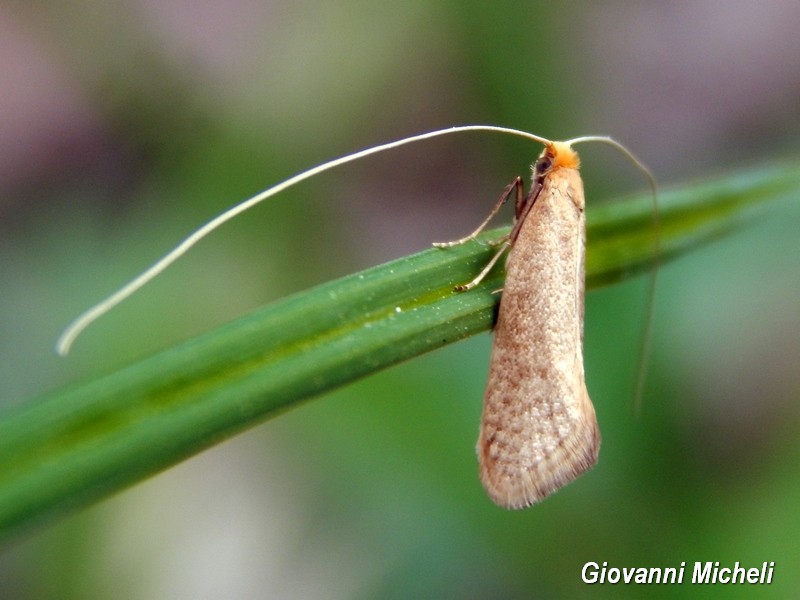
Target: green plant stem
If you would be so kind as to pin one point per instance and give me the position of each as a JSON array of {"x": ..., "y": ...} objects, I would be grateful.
[{"x": 80, "y": 444}]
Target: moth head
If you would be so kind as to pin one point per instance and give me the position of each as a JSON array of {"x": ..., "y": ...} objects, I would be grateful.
[{"x": 557, "y": 155}]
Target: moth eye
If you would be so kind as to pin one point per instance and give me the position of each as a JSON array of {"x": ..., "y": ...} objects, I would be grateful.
[{"x": 543, "y": 165}]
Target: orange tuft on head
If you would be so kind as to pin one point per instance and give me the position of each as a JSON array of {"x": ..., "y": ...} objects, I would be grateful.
[{"x": 564, "y": 156}]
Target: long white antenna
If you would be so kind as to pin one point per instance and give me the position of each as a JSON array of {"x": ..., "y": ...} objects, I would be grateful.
[
  {"x": 647, "y": 334},
  {"x": 74, "y": 329}
]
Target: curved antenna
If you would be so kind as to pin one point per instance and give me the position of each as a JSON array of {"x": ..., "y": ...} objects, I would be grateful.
[
  {"x": 647, "y": 334},
  {"x": 74, "y": 329}
]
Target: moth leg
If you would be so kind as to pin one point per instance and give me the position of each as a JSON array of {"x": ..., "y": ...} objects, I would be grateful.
[
  {"x": 519, "y": 187},
  {"x": 468, "y": 286}
]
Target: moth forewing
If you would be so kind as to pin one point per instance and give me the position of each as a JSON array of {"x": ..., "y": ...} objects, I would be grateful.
[{"x": 538, "y": 429}]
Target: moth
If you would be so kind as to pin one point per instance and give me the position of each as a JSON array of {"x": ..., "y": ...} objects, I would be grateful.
[{"x": 538, "y": 430}]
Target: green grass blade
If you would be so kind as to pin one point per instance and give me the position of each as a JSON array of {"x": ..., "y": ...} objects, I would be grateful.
[{"x": 82, "y": 443}]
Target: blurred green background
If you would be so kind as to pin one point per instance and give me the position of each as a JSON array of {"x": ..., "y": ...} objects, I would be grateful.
[{"x": 125, "y": 125}]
